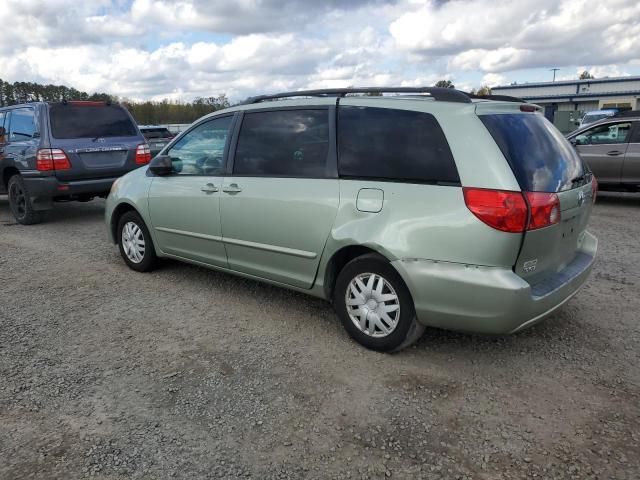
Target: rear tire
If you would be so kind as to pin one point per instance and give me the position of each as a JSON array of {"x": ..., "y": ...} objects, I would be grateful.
[
  {"x": 20, "y": 202},
  {"x": 375, "y": 305},
  {"x": 135, "y": 244}
]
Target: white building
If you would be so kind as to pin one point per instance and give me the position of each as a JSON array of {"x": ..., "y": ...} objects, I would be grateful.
[{"x": 577, "y": 95}]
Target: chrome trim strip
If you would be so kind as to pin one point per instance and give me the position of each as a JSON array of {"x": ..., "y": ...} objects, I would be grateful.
[{"x": 190, "y": 234}]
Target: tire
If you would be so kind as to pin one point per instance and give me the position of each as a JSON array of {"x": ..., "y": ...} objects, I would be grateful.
[
  {"x": 368, "y": 329},
  {"x": 20, "y": 202},
  {"x": 135, "y": 243}
]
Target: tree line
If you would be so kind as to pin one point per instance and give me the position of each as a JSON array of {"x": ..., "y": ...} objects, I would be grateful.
[{"x": 148, "y": 112}]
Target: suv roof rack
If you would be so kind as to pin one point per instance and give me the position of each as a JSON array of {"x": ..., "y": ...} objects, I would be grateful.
[
  {"x": 439, "y": 94},
  {"x": 627, "y": 113}
]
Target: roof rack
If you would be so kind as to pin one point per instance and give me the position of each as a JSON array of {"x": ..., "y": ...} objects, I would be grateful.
[
  {"x": 439, "y": 94},
  {"x": 503, "y": 98},
  {"x": 627, "y": 113}
]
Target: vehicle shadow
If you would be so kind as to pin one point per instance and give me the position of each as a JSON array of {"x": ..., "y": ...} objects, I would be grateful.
[
  {"x": 62, "y": 212},
  {"x": 618, "y": 198}
]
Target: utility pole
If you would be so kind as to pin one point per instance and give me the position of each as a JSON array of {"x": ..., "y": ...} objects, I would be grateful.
[{"x": 554, "y": 70}]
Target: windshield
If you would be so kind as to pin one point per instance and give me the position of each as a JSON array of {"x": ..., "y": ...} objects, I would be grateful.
[
  {"x": 540, "y": 157},
  {"x": 90, "y": 121},
  {"x": 593, "y": 118}
]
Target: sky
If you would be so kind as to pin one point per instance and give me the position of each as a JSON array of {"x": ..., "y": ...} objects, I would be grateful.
[{"x": 155, "y": 49}]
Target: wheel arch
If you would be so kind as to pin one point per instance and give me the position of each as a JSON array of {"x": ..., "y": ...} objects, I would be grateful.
[
  {"x": 7, "y": 173},
  {"x": 117, "y": 213}
]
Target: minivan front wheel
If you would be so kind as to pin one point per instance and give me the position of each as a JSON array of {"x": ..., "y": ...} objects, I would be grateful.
[
  {"x": 20, "y": 202},
  {"x": 375, "y": 305},
  {"x": 134, "y": 241}
]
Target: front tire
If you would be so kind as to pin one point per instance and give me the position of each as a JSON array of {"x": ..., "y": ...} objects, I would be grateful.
[
  {"x": 134, "y": 241},
  {"x": 20, "y": 202},
  {"x": 375, "y": 305}
]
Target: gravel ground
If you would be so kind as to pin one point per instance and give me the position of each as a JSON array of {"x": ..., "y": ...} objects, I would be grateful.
[{"x": 189, "y": 373}]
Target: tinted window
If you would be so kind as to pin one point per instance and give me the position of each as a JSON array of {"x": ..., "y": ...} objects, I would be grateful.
[
  {"x": 605, "y": 134},
  {"x": 23, "y": 124},
  {"x": 90, "y": 121},
  {"x": 291, "y": 143},
  {"x": 540, "y": 157},
  {"x": 150, "y": 133},
  {"x": 2, "y": 136},
  {"x": 635, "y": 135},
  {"x": 393, "y": 144},
  {"x": 201, "y": 150}
]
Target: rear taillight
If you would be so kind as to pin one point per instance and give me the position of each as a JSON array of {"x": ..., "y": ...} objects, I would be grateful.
[
  {"x": 594, "y": 188},
  {"x": 508, "y": 211},
  {"x": 544, "y": 209},
  {"x": 500, "y": 209},
  {"x": 49, "y": 159},
  {"x": 143, "y": 154}
]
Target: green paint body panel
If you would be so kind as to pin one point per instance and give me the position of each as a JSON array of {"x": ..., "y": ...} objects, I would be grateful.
[{"x": 462, "y": 274}]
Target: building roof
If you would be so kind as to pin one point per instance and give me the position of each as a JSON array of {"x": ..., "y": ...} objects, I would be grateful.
[{"x": 567, "y": 82}]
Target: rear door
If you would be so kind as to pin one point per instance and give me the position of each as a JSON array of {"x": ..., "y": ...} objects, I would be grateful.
[
  {"x": 603, "y": 147},
  {"x": 281, "y": 198},
  {"x": 185, "y": 207},
  {"x": 544, "y": 161},
  {"x": 100, "y": 140},
  {"x": 631, "y": 167}
]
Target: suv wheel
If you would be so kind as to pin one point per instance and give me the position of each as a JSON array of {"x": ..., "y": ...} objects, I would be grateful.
[
  {"x": 136, "y": 246},
  {"x": 20, "y": 202},
  {"x": 375, "y": 305}
]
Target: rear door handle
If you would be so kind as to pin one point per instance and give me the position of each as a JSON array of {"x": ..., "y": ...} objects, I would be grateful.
[
  {"x": 232, "y": 188},
  {"x": 209, "y": 188},
  {"x": 614, "y": 153}
]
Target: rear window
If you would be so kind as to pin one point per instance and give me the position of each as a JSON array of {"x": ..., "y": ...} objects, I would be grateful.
[
  {"x": 398, "y": 145},
  {"x": 90, "y": 121},
  {"x": 540, "y": 157},
  {"x": 150, "y": 133}
]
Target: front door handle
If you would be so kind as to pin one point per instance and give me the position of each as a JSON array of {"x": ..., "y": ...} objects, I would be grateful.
[
  {"x": 209, "y": 188},
  {"x": 614, "y": 153},
  {"x": 232, "y": 188}
]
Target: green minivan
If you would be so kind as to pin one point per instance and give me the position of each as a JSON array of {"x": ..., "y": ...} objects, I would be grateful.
[{"x": 428, "y": 207}]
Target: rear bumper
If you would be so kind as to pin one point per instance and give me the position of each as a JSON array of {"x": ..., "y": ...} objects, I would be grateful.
[
  {"x": 490, "y": 299},
  {"x": 44, "y": 189}
]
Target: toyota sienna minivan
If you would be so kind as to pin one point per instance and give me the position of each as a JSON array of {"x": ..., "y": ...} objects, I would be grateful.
[{"x": 431, "y": 208}]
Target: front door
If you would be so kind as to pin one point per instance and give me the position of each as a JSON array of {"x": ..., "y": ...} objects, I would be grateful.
[
  {"x": 603, "y": 147},
  {"x": 280, "y": 201},
  {"x": 185, "y": 207}
]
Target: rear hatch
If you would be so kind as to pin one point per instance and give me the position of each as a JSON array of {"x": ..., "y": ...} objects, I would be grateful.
[
  {"x": 157, "y": 138},
  {"x": 543, "y": 161},
  {"x": 100, "y": 140}
]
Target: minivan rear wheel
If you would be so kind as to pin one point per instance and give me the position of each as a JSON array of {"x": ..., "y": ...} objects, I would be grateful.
[
  {"x": 134, "y": 241},
  {"x": 20, "y": 202},
  {"x": 375, "y": 305}
]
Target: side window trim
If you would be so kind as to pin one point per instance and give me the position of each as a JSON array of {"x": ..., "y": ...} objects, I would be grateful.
[
  {"x": 225, "y": 153},
  {"x": 331, "y": 168}
]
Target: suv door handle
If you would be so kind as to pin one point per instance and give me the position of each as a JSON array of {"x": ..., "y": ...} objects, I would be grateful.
[
  {"x": 614, "y": 153},
  {"x": 232, "y": 188},
  {"x": 209, "y": 188}
]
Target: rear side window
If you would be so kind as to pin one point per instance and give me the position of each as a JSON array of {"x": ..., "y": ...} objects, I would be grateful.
[
  {"x": 289, "y": 143},
  {"x": 388, "y": 144},
  {"x": 541, "y": 158},
  {"x": 90, "y": 121},
  {"x": 23, "y": 124}
]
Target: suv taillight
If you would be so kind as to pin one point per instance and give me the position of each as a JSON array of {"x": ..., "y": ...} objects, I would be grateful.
[
  {"x": 49, "y": 159},
  {"x": 143, "y": 154},
  {"x": 508, "y": 211}
]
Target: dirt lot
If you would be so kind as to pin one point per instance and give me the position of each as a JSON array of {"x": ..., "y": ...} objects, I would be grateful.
[{"x": 190, "y": 373}]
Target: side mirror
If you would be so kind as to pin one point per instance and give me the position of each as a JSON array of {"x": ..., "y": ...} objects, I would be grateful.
[{"x": 161, "y": 165}]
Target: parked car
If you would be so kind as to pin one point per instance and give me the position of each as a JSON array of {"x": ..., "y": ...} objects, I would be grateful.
[
  {"x": 64, "y": 151},
  {"x": 611, "y": 148},
  {"x": 596, "y": 115},
  {"x": 157, "y": 137},
  {"x": 404, "y": 211}
]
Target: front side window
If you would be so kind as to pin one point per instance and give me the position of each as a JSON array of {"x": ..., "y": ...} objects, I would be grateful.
[
  {"x": 399, "y": 145},
  {"x": 23, "y": 124},
  {"x": 605, "y": 134},
  {"x": 201, "y": 150},
  {"x": 287, "y": 143}
]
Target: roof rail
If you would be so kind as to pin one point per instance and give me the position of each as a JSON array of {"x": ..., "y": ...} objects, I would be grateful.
[
  {"x": 627, "y": 113},
  {"x": 502, "y": 98},
  {"x": 439, "y": 94}
]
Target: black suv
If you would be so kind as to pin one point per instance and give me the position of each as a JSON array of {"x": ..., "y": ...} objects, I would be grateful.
[{"x": 64, "y": 151}]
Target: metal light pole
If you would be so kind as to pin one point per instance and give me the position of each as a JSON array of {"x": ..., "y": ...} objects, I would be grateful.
[{"x": 554, "y": 70}]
